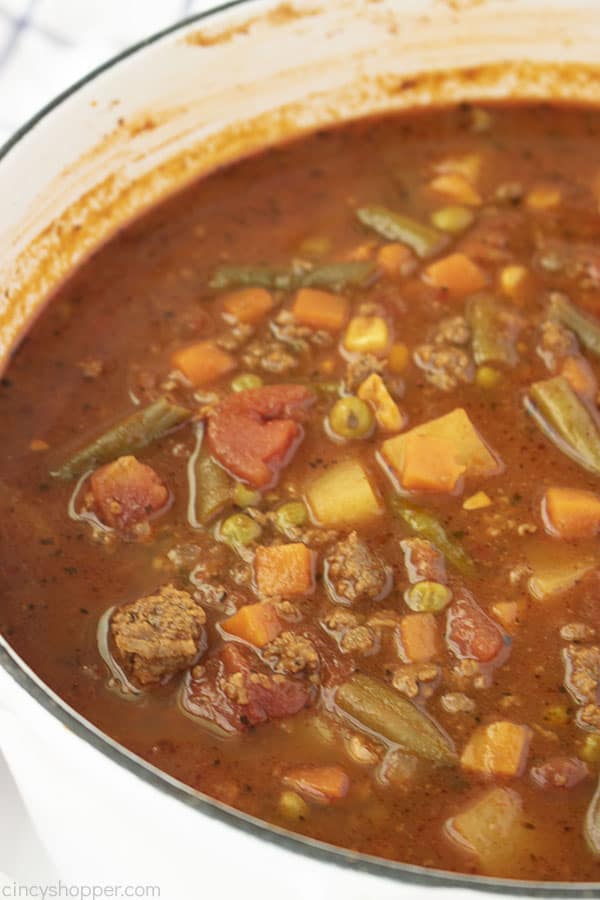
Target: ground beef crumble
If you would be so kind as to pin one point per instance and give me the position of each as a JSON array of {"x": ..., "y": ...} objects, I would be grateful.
[{"x": 354, "y": 573}]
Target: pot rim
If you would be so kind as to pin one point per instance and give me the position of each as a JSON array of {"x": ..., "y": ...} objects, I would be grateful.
[{"x": 320, "y": 851}]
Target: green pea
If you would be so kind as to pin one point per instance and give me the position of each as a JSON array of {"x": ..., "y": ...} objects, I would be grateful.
[
  {"x": 428, "y": 596},
  {"x": 246, "y": 382},
  {"x": 244, "y": 496},
  {"x": 291, "y": 515},
  {"x": 240, "y": 529},
  {"x": 351, "y": 417},
  {"x": 452, "y": 219}
]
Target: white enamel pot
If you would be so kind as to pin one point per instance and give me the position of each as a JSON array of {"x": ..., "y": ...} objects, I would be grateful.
[{"x": 203, "y": 93}]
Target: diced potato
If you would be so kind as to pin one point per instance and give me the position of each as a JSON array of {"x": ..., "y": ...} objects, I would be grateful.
[
  {"x": 248, "y": 305},
  {"x": 456, "y": 187},
  {"x": 320, "y": 310},
  {"x": 256, "y": 623},
  {"x": 544, "y": 196},
  {"x": 493, "y": 830},
  {"x": 478, "y": 500},
  {"x": 457, "y": 430},
  {"x": 319, "y": 783},
  {"x": 343, "y": 495},
  {"x": 500, "y": 748},
  {"x": 419, "y": 637},
  {"x": 571, "y": 513},
  {"x": 507, "y": 613},
  {"x": 367, "y": 334},
  {"x": 203, "y": 363},
  {"x": 513, "y": 281},
  {"x": 467, "y": 164},
  {"x": 387, "y": 414},
  {"x": 429, "y": 464},
  {"x": 554, "y": 572},
  {"x": 285, "y": 570}
]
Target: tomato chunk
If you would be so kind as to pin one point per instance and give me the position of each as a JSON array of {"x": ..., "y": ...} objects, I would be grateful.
[
  {"x": 471, "y": 634},
  {"x": 253, "y": 434},
  {"x": 127, "y": 492}
]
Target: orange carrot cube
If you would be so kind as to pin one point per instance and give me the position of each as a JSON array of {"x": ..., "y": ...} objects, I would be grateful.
[
  {"x": 257, "y": 623},
  {"x": 456, "y": 274},
  {"x": 203, "y": 362},
  {"x": 419, "y": 637},
  {"x": 286, "y": 570},
  {"x": 320, "y": 310},
  {"x": 248, "y": 305},
  {"x": 571, "y": 513}
]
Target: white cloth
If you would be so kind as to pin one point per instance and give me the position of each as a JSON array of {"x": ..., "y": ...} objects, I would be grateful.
[{"x": 46, "y": 45}]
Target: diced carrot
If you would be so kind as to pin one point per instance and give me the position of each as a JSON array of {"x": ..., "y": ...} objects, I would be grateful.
[
  {"x": 580, "y": 376},
  {"x": 320, "y": 783},
  {"x": 430, "y": 464},
  {"x": 396, "y": 260},
  {"x": 571, "y": 513},
  {"x": 398, "y": 358},
  {"x": 457, "y": 188},
  {"x": 419, "y": 637},
  {"x": 321, "y": 310},
  {"x": 507, "y": 613},
  {"x": 497, "y": 749},
  {"x": 286, "y": 570},
  {"x": 256, "y": 623},
  {"x": 248, "y": 305},
  {"x": 203, "y": 362},
  {"x": 457, "y": 274}
]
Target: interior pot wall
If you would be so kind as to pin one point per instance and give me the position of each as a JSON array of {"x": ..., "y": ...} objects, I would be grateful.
[{"x": 248, "y": 75}]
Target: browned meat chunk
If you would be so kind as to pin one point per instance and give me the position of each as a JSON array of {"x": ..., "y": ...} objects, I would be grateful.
[
  {"x": 360, "y": 369},
  {"x": 423, "y": 561},
  {"x": 159, "y": 635},
  {"x": 290, "y": 653},
  {"x": 126, "y": 493},
  {"x": 353, "y": 573},
  {"x": 560, "y": 772},
  {"x": 444, "y": 366},
  {"x": 582, "y": 672},
  {"x": 234, "y": 692},
  {"x": 556, "y": 343}
]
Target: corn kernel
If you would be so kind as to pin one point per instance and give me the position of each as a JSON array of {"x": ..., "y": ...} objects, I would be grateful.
[
  {"x": 292, "y": 806},
  {"x": 367, "y": 334},
  {"x": 513, "y": 280},
  {"x": 477, "y": 501},
  {"x": 487, "y": 377},
  {"x": 557, "y": 715},
  {"x": 452, "y": 219},
  {"x": 398, "y": 358},
  {"x": 590, "y": 749},
  {"x": 543, "y": 197}
]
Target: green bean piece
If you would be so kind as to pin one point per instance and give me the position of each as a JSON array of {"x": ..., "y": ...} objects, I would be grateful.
[
  {"x": 336, "y": 276},
  {"x": 566, "y": 421},
  {"x": 387, "y": 714},
  {"x": 423, "y": 239},
  {"x": 210, "y": 487},
  {"x": 251, "y": 276},
  {"x": 133, "y": 433},
  {"x": 494, "y": 331},
  {"x": 592, "y": 823},
  {"x": 425, "y": 525},
  {"x": 427, "y": 596},
  {"x": 585, "y": 326}
]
